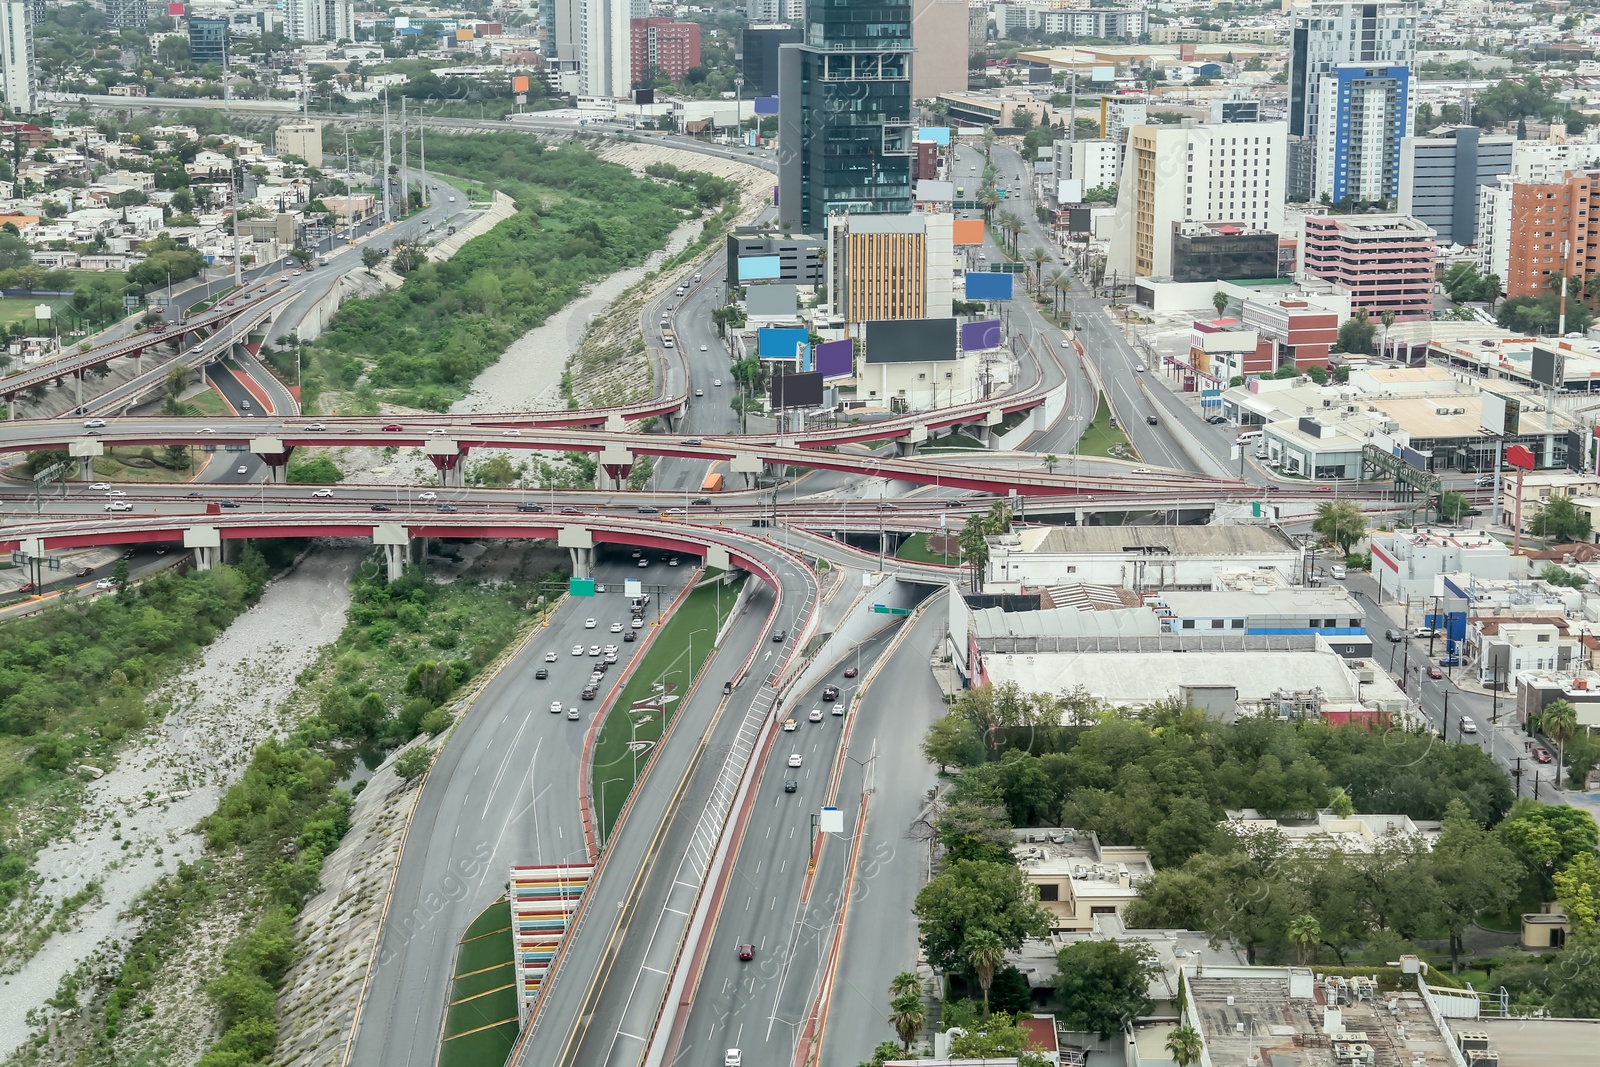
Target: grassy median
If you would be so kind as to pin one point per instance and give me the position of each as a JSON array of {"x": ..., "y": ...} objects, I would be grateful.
[{"x": 676, "y": 655}]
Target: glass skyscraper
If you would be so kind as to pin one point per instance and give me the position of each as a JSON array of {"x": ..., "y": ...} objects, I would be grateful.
[{"x": 846, "y": 139}]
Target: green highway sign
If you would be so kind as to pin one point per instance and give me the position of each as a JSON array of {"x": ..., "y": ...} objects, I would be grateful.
[
  {"x": 580, "y": 587},
  {"x": 884, "y": 609}
]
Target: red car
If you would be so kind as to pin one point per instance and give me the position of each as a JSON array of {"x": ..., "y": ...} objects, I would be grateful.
[
  {"x": 1541, "y": 754},
  {"x": 747, "y": 952},
  {"x": 393, "y": 427},
  {"x": 849, "y": 672},
  {"x": 28, "y": 588},
  {"x": 1435, "y": 672},
  {"x": 1324, "y": 488}
]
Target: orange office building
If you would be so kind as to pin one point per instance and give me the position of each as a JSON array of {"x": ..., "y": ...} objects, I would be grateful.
[{"x": 1555, "y": 229}]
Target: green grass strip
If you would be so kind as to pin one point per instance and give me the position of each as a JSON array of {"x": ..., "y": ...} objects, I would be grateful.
[{"x": 675, "y": 657}]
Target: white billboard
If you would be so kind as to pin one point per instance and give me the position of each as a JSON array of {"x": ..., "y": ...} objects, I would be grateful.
[{"x": 632, "y": 587}]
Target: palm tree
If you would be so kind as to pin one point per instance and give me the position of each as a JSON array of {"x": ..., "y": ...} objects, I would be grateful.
[
  {"x": 1304, "y": 931},
  {"x": 998, "y": 519},
  {"x": 1388, "y": 320},
  {"x": 1004, "y": 221},
  {"x": 1050, "y": 462},
  {"x": 1559, "y": 721},
  {"x": 974, "y": 545},
  {"x": 903, "y": 983},
  {"x": 1061, "y": 282},
  {"x": 1040, "y": 257},
  {"x": 1184, "y": 1046},
  {"x": 907, "y": 1016},
  {"x": 1219, "y": 300},
  {"x": 1014, "y": 226},
  {"x": 988, "y": 199},
  {"x": 984, "y": 953}
]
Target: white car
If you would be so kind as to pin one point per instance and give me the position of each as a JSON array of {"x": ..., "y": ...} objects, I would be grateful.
[
  {"x": 242, "y": 469},
  {"x": 794, "y": 760},
  {"x": 116, "y": 492},
  {"x": 673, "y": 562},
  {"x": 644, "y": 563},
  {"x": 816, "y": 715},
  {"x": 323, "y": 493},
  {"x": 699, "y": 392},
  {"x": 1064, "y": 343},
  {"x": 436, "y": 430},
  {"x": 594, "y": 650},
  {"x": 94, "y": 424},
  {"x": 555, "y": 707},
  {"x": 317, "y": 427},
  {"x": 104, "y": 584},
  {"x": 207, "y": 429},
  {"x": 1139, "y": 367},
  {"x": 1142, "y": 470},
  {"x": 577, "y": 650},
  {"x": 637, "y": 623},
  {"x": 733, "y": 1058},
  {"x": 717, "y": 382},
  {"x": 511, "y": 433},
  {"x": 790, "y": 726},
  {"x": 610, "y": 650},
  {"x": 588, "y": 624},
  {"x": 616, "y": 627},
  {"x": 428, "y": 496},
  {"x": 1468, "y": 726},
  {"x": 100, "y": 487},
  {"x": 119, "y": 505},
  {"x": 702, "y": 348},
  {"x": 549, "y": 657}
]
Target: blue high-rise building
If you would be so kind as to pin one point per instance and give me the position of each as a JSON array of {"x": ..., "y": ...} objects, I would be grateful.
[
  {"x": 845, "y": 114},
  {"x": 1365, "y": 117}
]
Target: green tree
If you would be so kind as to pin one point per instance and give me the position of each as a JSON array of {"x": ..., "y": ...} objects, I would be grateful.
[
  {"x": 1340, "y": 523},
  {"x": 1184, "y": 1046},
  {"x": 1559, "y": 721},
  {"x": 496, "y": 470},
  {"x": 319, "y": 470},
  {"x": 1470, "y": 870},
  {"x": 1577, "y": 887},
  {"x": 974, "y": 545},
  {"x": 1560, "y": 521},
  {"x": 414, "y": 763},
  {"x": 972, "y": 895},
  {"x": 983, "y": 953},
  {"x": 1557, "y": 575},
  {"x": 998, "y": 1036},
  {"x": 1547, "y": 837},
  {"x": 953, "y": 741},
  {"x": 975, "y": 830},
  {"x": 1356, "y": 333},
  {"x": 1039, "y": 256},
  {"x": 371, "y": 257},
  {"x": 1219, "y": 300},
  {"x": 1453, "y": 506},
  {"x": 908, "y": 1017},
  {"x": 1304, "y": 932},
  {"x": 1104, "y": 985},
  {"x": 119, "y": 574}
]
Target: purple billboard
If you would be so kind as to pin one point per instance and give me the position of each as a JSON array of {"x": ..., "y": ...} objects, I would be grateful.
[
  {"x": 976, "y": 336},
  {"x": 835, "y": 359}
]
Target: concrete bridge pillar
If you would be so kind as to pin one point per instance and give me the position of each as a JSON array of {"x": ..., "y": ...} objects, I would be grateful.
[
  {"x": 396, "y": 542},
  {"x": 580, "y": 542},
  {"x": 907, "y": 445},
  {"x": 275, "y": 454},
  {"x": 614, "y": 466},
  {"x": 672, "y": 420},
  {"x": 84, "y": 450},
  {"x": 206, "y": 544},
  {"x": 447, "y": 457}
]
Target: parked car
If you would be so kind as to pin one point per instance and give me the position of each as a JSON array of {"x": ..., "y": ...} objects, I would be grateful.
[
  {"x": 1435, "y": 671},
  {"x": 1541, "y": 754},
  {"x": 1394, "y": 635}
]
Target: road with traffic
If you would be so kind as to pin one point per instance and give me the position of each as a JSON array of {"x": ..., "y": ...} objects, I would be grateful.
[{"x": 504, "y": 790}]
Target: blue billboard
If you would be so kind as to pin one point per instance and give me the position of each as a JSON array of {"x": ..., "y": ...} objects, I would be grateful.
[
  {"x": 985, "y": 285},
  {"x": 759, "y": 268},
  {"x": 783, "y": 343},
  {"x": 766, "y": 105},
  {"x": 936, "y": 134}
]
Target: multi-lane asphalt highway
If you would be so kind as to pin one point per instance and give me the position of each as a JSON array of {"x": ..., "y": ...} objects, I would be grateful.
[
  {"x": 504, "y": 790},
  {"x": 770, "y": 902}
]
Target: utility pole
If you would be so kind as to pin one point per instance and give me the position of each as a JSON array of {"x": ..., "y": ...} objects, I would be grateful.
[
  {"x": 237, "y": 195},
  {"x": 422, "y": 143},
  {"x": 388, "y": 200},
  {"x": 405, "y": 161},
  {"x": 1444, "y": 724},
  {"x": 349, "y": 192},
  {"x": 1516, "y": 776}
]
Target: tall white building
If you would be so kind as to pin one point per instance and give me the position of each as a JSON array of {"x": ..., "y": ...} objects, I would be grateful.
[
  {"x": 592, "y": 35},
  {"x": 1176, "y": 174},
  {"x": 17, "y": 77},
  {"x": 319, "y": 20},
  {"x": 1325, "y": 34}
]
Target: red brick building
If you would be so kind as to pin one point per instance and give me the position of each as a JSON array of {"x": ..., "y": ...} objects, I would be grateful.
[
  {"x": 661, "y": 45},
  {"x": 1290, "y": 332},
  {"x": 1543, "y": 219}
]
